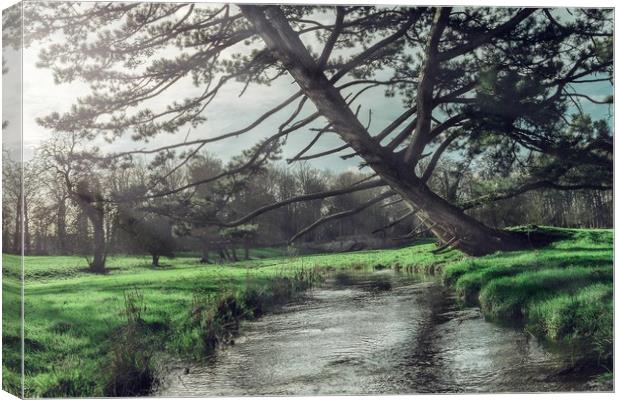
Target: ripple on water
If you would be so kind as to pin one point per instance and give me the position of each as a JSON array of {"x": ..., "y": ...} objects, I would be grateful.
[{"x": 348, "y": 337}]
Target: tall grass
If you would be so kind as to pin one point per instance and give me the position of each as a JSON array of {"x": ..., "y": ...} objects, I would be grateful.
[
  {"x": 510, "y": 297},
  {"x": 562, "y": 292},
  {"x": 586, "y": 314},
  {"x": 214, "y": 318},
  {"x": 129, "y": 368}
]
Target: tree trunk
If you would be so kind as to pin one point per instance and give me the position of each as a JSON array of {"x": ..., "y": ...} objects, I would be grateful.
[
  {"x": 155, "y": 262},
  {"x": 223, "y": 253},
  {"x": 246, "y": 249},
  {"x": 205, "y": 253},
  {"x": 17, "y": 235},
  {"x": 26, "y": 243},
  {"x": 447, "y": 222},
  {"x": 61, "y": 226},
  {"x": 96, "y": 218},
  {"x": 98, "y": 264}
]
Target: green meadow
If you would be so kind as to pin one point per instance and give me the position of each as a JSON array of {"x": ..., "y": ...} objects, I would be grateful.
[{"x": 83, "y": 332}]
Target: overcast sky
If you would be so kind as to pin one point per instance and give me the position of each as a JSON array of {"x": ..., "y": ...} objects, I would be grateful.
[{"x": 227, "y": 113}]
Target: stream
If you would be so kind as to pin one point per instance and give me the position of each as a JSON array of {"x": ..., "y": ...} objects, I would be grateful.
[{"x": 379, "y": 332}]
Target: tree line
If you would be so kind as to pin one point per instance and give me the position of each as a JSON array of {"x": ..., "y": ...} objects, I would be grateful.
[{"x": 65, "y": 200}]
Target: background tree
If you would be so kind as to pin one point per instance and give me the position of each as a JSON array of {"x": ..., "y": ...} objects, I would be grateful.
[
  {"x": 75, "y": 166},
  {"x": 21, "y": 194},
  {"x": 242, "y": 234},
  {"x": 192, "y": 211},
  {"x": 152, "y": 234}
]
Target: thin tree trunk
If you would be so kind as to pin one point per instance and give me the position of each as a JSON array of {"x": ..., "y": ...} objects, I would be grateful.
[
  {"x": 246, "y": 249},
  {"x": 223, "y": 253},
  {"x": 17, "y": 236},
  {"x": 205, "y": 253},
  {"x": 26, "y": 229},
  {"x": 98, "y": 264},
  {"x": 61, "y": 226}
]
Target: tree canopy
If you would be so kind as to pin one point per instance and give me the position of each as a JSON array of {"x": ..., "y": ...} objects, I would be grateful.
[{"x": 499, "y": 87}]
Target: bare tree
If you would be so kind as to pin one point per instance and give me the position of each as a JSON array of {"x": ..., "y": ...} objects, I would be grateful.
[{"x": 73, "y": 165}]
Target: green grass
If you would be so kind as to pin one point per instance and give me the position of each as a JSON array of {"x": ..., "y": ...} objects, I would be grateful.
[
  {"x": 585, "y": 313},
  {"x": 76, "y": 321},
  {"x": 11, "y": 324},
  {"x": 563, "y": 292},
  {"x": 260, "y": 252},
  {"x": 73, "y": 317}
]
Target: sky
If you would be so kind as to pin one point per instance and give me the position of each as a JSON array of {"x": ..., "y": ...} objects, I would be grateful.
[
  {"x": 227, "y": 113},
  {"x": 11, "y": 102}
]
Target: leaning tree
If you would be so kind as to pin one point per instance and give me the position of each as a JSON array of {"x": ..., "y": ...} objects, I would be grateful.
[{"x": 473, "y": 81}]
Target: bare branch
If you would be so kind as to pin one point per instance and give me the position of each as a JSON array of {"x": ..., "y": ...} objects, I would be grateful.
[
  {"x": 372, "y": 51},
  {"x": 309, "y": 146},
  {"x": 249, "y": 164},
  {"x": 246, "y": 129},
  {"x": 395, "y": 222},
  {"x": 437, "y": 155},
  {"x": 341, "y": 214},
  {"x": 306, "y": 197},
  {"x": 424, "y": 98},
  {"x": 590, "y": 99},
  {"x": 331, "y": 41},
  {"x": 492, "y": 197},
  {"x": 393, "y": 202}
]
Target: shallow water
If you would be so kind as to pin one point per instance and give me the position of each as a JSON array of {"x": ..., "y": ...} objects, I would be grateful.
[{"x": 376, "y": 333}]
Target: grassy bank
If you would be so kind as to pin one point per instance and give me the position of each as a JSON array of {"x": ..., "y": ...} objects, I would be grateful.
[
  {"x": 563, "y": 293},
  {"x": 84, "y": 331},
  {"x": 80, "y": 327}
]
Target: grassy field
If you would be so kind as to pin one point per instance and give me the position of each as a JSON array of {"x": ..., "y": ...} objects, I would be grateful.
[{"x": 83, "y": 331}]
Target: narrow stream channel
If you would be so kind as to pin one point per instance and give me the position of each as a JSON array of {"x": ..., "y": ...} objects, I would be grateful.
[{"x": 376, "y": 333}]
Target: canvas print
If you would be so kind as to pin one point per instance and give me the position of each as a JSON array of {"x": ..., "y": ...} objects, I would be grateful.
[{"x": 208, "y": 199}]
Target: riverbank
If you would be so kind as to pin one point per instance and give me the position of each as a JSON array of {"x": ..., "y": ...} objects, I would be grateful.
[
  {"x": 79, "y": 325},
  {"x": 562, "y": 293},
  {"x": 379, "y": 332}
]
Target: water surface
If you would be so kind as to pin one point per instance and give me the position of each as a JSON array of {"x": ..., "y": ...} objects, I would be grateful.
[{"x": 376, "y": 333}]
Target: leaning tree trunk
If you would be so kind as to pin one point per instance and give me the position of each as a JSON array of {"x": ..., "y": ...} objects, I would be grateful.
[{"x": 449, "y": 223}]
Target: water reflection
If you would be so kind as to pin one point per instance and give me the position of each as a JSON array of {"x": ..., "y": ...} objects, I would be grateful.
[{"x": 376, "y": 333}]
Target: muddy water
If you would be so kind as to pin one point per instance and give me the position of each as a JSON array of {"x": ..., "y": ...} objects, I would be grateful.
[{"x": 376, "y": 333}]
